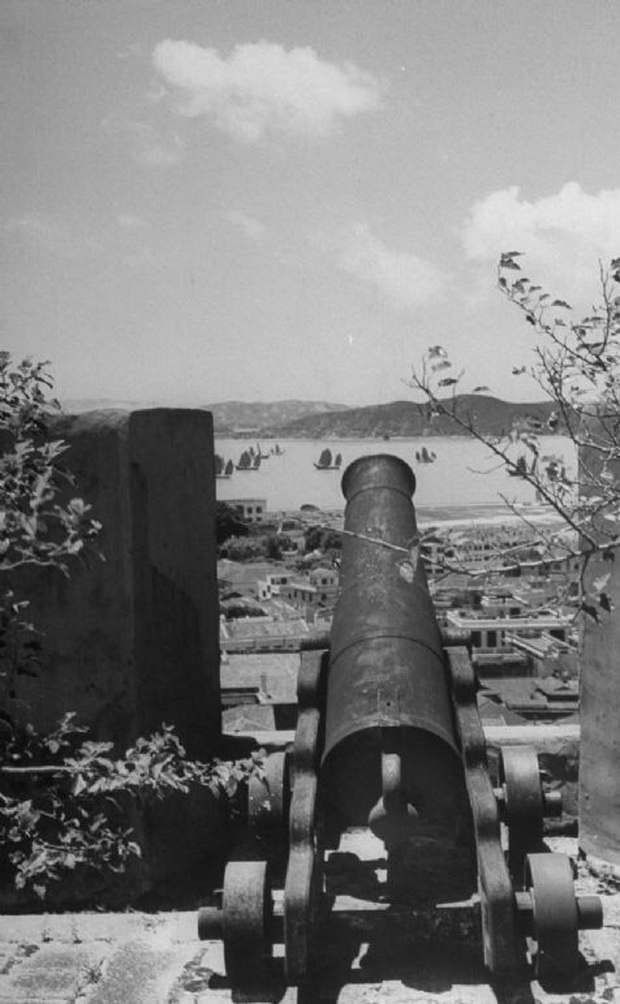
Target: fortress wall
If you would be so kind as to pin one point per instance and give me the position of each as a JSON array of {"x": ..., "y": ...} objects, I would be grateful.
[{"x": 132, "y": 640}]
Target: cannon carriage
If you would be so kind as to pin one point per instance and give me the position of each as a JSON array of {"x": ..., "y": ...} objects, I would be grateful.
[{"x": 389, "y": 741}]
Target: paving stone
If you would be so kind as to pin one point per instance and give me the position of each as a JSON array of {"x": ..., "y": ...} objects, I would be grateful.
[
  {"x": 51, "y": 973},
  {"x": 7, "y": 958},
  {"x": 141, "y": 972},
  {"x": 48, "y": 984}
]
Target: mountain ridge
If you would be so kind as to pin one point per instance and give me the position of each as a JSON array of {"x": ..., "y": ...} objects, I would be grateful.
[
  {"x": 490, "y": 415},
  {"x": 294, "y": 418}
]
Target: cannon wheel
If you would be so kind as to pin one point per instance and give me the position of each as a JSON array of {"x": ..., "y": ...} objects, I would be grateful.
[
  {"x": 269, "y": 795},
  {"x": 246, "y": 916},
  {"x": 523, "y": 804},
  {"x": 555, "y": 918}
]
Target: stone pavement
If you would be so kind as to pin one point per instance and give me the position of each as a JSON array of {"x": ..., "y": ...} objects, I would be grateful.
[{"x": 139, "y": 958}]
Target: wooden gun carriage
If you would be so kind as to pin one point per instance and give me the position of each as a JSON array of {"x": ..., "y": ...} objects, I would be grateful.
[{"x": 389, "y": 740}]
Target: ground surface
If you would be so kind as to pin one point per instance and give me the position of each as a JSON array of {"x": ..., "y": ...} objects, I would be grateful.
[{"x": 136, "y": 958}]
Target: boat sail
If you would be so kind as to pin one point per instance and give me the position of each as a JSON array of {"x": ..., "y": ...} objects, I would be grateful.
[
  {"x": 326, "y": 463},
  {"x": 245, "y": 462},
  {"x": 520, "y": 469},
  {"x": 221, "y": 470},
  {"x": 424, "y": 457}
]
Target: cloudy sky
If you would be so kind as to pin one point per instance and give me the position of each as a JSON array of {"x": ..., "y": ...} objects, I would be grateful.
[{"x": 260, "y": 199}]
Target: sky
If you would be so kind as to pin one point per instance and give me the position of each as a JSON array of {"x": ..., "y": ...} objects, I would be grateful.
[{"x": 211, "y": 200}]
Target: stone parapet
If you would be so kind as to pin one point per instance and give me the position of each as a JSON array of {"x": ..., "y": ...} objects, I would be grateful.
[{"x": 131, "y": 641}]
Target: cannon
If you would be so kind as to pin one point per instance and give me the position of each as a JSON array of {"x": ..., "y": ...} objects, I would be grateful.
[{"x": 389, "y": 743}]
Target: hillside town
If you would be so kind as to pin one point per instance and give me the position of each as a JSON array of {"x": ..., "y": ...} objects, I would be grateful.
[{"x": 501, "y": 582}]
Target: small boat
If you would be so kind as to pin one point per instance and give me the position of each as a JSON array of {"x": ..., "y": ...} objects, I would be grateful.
[
  {"x": 221, "y": 469},
  {"x": 424, "y": 457},
  {"x": 245, "y": 461},
  {"x": 520, "y": 469},
  {"x": 276, "y": 451},
  {"x": 325, "y": 462},
  {"x": 259, "y": 453},
  {"x": 229, "y": 468}
]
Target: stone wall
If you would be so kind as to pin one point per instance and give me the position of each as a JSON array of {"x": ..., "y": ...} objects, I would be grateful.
[
  {"x": 599, "y": 777},
  {"x": 131, "y": 641}
]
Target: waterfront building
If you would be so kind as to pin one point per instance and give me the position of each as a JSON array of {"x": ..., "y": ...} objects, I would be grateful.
[{"x": 251, "y": 509}]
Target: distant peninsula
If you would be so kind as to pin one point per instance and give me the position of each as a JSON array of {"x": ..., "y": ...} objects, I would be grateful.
[{"x": 320, "y": 420}]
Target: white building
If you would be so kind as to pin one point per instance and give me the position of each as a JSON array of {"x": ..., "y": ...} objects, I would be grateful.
[
  {"x": 272, "y": 584},
  {"x": 318, "y": 588}
]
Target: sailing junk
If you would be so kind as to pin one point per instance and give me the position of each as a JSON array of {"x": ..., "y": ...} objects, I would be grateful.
[
  {"x": 424, "y": 457},
  {"x": 325, "y": 461},
  {"x": 248, "y": 462},
  {"x": 222, "y": 470}
]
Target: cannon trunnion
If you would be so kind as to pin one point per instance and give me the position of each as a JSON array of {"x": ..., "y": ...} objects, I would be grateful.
[{"x": 389, "y": 742}]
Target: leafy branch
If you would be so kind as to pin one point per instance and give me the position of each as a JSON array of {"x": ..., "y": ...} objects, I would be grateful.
[
  {"x": 577, "y": 365},
  {"x": 79, "y": 817}
]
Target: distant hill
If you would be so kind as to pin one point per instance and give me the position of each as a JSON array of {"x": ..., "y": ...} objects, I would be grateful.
[
  {"x": 229, "y": 417},
  {"x": 406, "y": 418},
  {"x": 295, "y": 419},
  {"x": 237, "y": 416}
]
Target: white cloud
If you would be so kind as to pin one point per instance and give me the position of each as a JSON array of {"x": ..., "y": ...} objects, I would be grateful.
[
  {"x": 249, "y": 225},
  {"x": 563, "y": 235},
  {"x": 405, "y": 279},
  {"x": 149, "y": 147},
  {"x": 50, "y": 232},
  {"x": 262, "y": 88}
]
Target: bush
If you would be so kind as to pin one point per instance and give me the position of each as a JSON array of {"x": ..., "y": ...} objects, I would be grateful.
[
  {"x": 228, "y": 523},
  {"x": 65, "y": 801}
]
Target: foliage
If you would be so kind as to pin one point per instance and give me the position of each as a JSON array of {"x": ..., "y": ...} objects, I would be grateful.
[
  {"x": 65, "y": 801},
  {"x": 80, "y": 816},
  {"x": 321, "y": 538},
  {"x": 577, "y": 365},
  {"x": 242, "y": 549},
  {"x": 273, "y": 549},
  {"x": 37, "y": 528},
  {"x": 228, "y": 523}
]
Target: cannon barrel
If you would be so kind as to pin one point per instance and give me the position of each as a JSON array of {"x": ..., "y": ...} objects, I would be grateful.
[{"x": 391, "y": 758}]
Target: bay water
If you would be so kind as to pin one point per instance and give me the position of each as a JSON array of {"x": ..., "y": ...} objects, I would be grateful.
[{"x": 464, "y": 472}]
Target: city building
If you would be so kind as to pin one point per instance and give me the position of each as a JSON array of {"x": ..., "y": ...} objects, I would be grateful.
[
  {"x": 252, "y": 510},
  {"x": 318, "y": 588},
  {"x": 493, "y": 638},
  {"x": 262, "y": 634}
]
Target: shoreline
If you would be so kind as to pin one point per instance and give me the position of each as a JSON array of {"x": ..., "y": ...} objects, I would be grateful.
[{"x": 472, "y": 514}]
